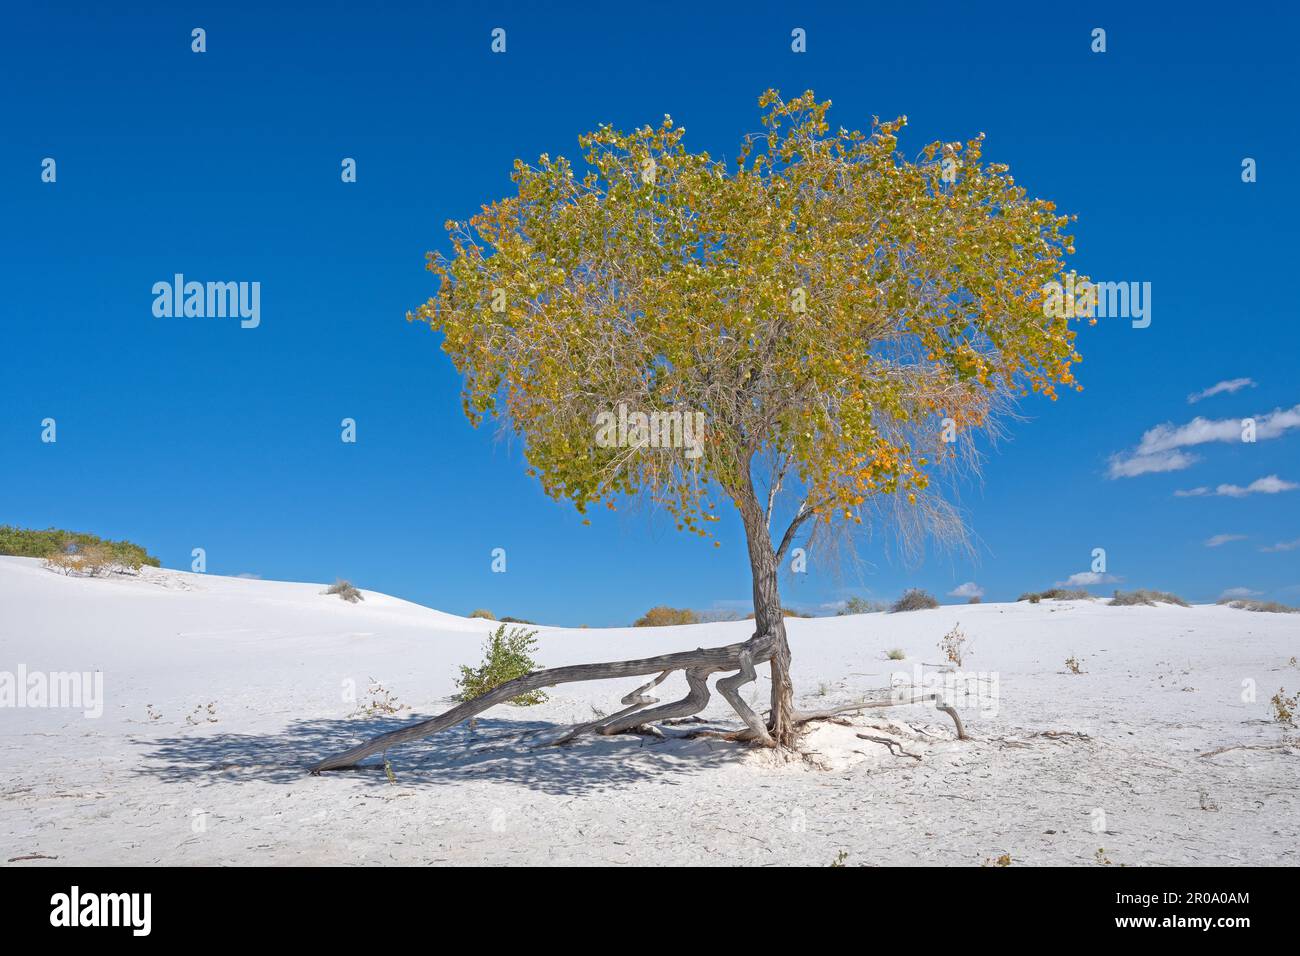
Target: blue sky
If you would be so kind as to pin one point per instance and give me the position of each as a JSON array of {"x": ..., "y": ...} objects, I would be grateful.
[{"x": 186, "y": 432}]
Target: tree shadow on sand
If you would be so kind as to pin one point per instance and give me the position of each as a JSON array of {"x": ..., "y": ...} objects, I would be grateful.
[{"x": 505, "y": 751}]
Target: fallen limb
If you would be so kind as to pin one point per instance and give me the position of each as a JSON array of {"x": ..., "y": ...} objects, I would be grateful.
[
  {"x": 635, "y": 716},
  {"x": 701, "y": 662},
  {"x": 1224, "y": 750}
]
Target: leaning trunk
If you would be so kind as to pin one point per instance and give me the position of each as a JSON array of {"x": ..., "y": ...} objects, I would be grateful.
[{"x": 769, "y": 620}]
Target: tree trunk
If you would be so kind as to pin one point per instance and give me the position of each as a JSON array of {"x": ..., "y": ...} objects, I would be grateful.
[{"x": 769, "y": 617}]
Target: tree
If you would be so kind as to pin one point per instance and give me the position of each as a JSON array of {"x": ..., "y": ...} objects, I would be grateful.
[{"x": 811, "y": 325}]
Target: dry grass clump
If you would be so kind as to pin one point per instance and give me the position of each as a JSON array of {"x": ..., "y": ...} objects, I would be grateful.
[
  {"x": 483, "y": 613},
  {"x": 346, "y": 591},
  {"x": 1147, "y": 598},
  {"x": 1268, "y": 607},
  {"x": 1055, "y": 594}
]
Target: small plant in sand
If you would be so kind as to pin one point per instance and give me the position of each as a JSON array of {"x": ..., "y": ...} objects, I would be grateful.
[
  {"x": 1101, "y": 857},
  {"x": 1284, "y": 707},
  {"x": 953, "y": 646},
  {"x": 152, "y": 714},
  {"x": 483, "y": 613},
  {"x": 346, "y": 591},
  {"x": 840, "y": 858},
  {"x": 388, "y": 771},
  {"x": 380, "y": 700},
  {"x": 1074, "y": 665},
  {"x": 895, "y": 654},
  {"x": 1003, "y": 860},
  {"x": 506, "y": 655},
  {"x": 202, "y": 714}
]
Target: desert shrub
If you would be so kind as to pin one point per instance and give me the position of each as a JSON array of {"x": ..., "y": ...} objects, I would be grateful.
[
  {"x": 346, "y": 591},
  {"x": 975, "y": 600},
  {"x": 380, "y": 700},
  {"x": 664, "y": 616},
  {"x": 1073, "y": 664},
  {"x": 89, "y": 560},
  {"x": 896, "y": 654},
  {"x": 914, "y": 599},
  {"x": 29, "y": 543},
  {"x": 857, "y": 605},
  {"x": 1145, "y": 597},
  {"x": 1055, "y": 594},
  {"x": 483, "y": 613},
  {"x": 506, "y": 655},
  {"x": 1267, "y": 607}
]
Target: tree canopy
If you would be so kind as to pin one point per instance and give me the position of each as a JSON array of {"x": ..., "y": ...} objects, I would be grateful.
[{"x": 825, "y": 301}]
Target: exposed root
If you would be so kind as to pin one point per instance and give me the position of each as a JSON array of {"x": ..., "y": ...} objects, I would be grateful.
[
  {"x": 894, "y": 746},
  {"x": 696, "y": 699},
  {"x": 803, "y": 717},
  {"x": 729, "y": 688},
  {"x": 698, "y": 664},
  {"x": 636, "y": 700}
]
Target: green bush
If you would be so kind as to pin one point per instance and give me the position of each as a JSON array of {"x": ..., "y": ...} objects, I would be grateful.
[
  {"x": 506, "y": 655},
  {"x": 914, "y": 599},
  {"x": 664, "y": 616},
  {"x": 1145, "y": 597},
  {"x": 29, "y": 543}
]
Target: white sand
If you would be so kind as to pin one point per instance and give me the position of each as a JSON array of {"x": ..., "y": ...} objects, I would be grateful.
[{"x": 1162, "y": 686}]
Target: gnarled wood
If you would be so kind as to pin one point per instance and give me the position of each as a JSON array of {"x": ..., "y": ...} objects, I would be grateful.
[
  {"x": 703, "y": 661},
  {"x": 696, "y": 699},
  {"x": 729, "y": 688}
]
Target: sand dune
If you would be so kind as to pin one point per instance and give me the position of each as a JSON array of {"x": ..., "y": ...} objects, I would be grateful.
[{"x": 218, "y": 692}]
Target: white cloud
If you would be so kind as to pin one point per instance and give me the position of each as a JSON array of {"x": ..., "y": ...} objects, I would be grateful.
[
  {"x": 1134, "y": 465},
  {"x": 1086, "y": 578},
  {"x": 1160, "y": 447},
  {"x": 1219, "y": 539},
  {"x": 1283, "y": 546},
  {"x": 1230, "y": 386},
  {"x": 1239, "y": 593},
  {"x": 1268, "y": 485},
  {"x": 968, "y": 590}
]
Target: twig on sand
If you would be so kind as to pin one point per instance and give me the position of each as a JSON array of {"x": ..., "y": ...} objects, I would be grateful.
[
  {"x": 891, "y": 744},
  {"x": 1224, "y": 750}
]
